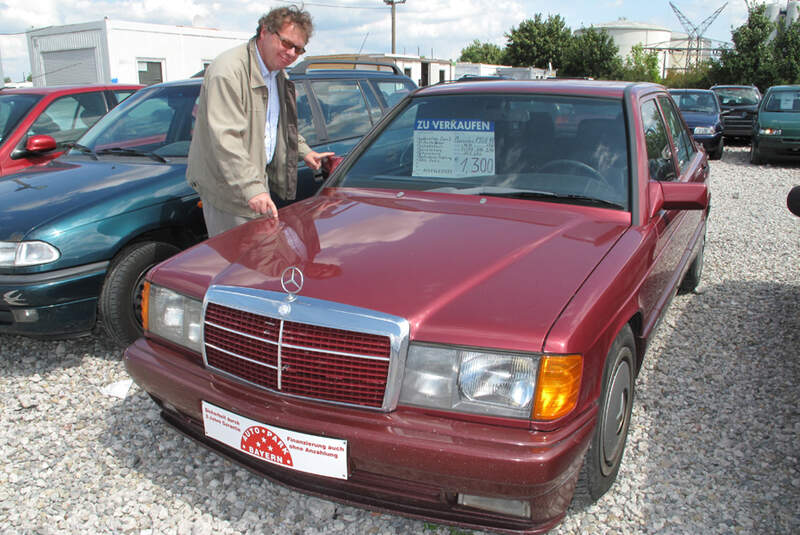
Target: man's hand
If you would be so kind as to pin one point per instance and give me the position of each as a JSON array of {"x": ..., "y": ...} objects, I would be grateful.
[
  {"x": 314, "y": 159},
  {"x": 262, "y": 203}
]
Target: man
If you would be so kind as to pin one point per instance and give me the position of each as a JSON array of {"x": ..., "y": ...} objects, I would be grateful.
[{"x": 245, "y": 146}]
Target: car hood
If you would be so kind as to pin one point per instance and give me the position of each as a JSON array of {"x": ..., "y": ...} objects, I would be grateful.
[
  {"x": 492, "y": 272},
  {"x": 695, "y": 118},
  {"x": 79, "y": 191},
  {"x": 788, "y": 122}
]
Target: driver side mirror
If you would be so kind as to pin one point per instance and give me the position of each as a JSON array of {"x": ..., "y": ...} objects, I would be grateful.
[
  {"x": 330, "y": 164},
  {"x": 35, "y": 146},
  {"x": 677, "y": 196}
]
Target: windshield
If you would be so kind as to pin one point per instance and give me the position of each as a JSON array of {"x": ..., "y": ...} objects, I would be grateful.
[
  {"x": 12, "y": 110},
  {"x": 156, "y": 120},
  {"x": 696, "y": 101},
  {"x": 783, "y": 101},
  {"x": 737, "y": 96},
  {"x": 510, "y": 145}
]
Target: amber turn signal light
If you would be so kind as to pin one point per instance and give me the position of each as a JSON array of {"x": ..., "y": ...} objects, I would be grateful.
[
  {"x": 558, "y": 386},
  {"x": 145, "y": 304}
]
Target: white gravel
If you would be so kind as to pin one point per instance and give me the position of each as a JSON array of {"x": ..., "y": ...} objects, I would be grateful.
[{"x": 714, "y": 443}]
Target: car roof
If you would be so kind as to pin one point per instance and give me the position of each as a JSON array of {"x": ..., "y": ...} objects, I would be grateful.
[
  {"x": 784, "y": 87},
  {"x": 599, "y": 88},
  {"x": 690, "y": 90},
  {"x": 67, "y": 89}
]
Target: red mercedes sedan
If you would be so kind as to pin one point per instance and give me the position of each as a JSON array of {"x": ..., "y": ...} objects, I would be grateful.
[
  {"x": 452, "y": 328},
  {"x": 36, "y": 124}
]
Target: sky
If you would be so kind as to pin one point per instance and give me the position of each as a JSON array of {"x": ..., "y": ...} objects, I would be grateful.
[{"x": 432, "y": 28}]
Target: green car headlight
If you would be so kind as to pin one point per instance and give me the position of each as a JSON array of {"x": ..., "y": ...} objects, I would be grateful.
[
  {"x": 770, "y": 131},
  {"x": 27, "y": 253},
  {"x": 173, "y": 316}
]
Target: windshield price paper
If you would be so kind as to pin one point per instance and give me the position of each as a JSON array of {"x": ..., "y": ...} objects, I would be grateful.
[
  {"x": 297, "y": 451},
  {"x": 453, "y": 148}
]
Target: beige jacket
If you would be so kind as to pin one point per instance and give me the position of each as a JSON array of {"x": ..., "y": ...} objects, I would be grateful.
[{"x": 227, "y": 159}]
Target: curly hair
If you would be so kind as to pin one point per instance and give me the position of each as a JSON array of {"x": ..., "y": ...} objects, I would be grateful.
[{"x": 275, "y": 19}]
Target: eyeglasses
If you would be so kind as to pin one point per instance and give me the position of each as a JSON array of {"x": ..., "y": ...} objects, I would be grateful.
[{"x": 288, "y": 45}]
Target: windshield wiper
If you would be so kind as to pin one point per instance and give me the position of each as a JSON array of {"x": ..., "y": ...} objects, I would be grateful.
[
  {"x": 510, "y": 193},
  {"x": 133, "y": 152},
  {"x": 81, "y": 148}
]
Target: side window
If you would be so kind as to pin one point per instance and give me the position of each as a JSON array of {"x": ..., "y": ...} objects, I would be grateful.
[
  {"x": 659, "y": 153},
  {"x": 393, "y": 92},
  {"x": 374, "y": 106},
  {"x": 67, "y": 118},
  {"x": 344, "y": 109},
  {"x": 122, "y": 94},
  {"x": 680, "y": 137},
  {"x": 305, "y": 121}
]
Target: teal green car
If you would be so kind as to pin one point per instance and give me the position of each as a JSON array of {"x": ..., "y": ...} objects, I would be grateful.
[{"x": 776, "y": 133}]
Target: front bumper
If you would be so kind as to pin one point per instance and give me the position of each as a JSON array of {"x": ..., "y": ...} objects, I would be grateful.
[
  {"x": 51, "y": 304},
  {"x": 406, "y": 461},
  {"x": 709, "y": 142},
  {"x": 779, "y": 146}
]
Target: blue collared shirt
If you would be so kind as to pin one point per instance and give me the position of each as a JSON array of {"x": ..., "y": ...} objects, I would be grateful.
[{"x": 273, "y": 108}]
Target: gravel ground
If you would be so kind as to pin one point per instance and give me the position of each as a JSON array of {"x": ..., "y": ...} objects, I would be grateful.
[{"x": 713, "y": 448}]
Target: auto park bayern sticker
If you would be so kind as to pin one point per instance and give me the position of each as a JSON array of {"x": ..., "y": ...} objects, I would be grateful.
[
  {"x": 297, "y": 451},
  {"x": 453, "y": 148}
]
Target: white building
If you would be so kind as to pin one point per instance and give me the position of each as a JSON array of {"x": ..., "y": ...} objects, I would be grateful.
[
  {"x": 424, "y": 71},
  {"x": 108, "y": 51}
]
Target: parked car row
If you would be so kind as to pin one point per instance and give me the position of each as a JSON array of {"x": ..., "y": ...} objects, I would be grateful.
[
  {"x": 77, "y": 235},
  {"x": 771, "y": 124}
]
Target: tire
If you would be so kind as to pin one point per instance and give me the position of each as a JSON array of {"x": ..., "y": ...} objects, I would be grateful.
[
  {"x": 604, "y": 457},
  {"x": 717, "y": 154},
  {"x": 121, "y": 298},
  {"x": 755, "y": 154},
  {"x": 692, "y": 278}
]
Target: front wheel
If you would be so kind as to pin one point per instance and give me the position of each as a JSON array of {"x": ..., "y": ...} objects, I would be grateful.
[
  {"x": 692, "y": 278},
  {"x": 755, "y": 154},
  {"x": 121, "y": 297},
  {"x": 604, "y": 456},
  {"x": 717, "y": 154}
]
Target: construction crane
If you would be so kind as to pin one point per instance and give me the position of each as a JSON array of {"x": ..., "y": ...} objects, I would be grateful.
[{"x": 695, "y": 33}]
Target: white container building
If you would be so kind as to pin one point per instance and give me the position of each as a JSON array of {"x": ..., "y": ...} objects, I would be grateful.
[{"x": 108, "y": 51}]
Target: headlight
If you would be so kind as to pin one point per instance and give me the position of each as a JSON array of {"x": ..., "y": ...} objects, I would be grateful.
[
  {"x": 704, "y": 130},
  {"x": 27, "y": 253},
  {"x": 491, "y": 383},
  {"x": 770, "y": 131},
  {"x": 173, "y": 316}
]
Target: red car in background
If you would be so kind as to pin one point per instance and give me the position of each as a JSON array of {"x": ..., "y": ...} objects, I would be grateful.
[{"x": 36, "y": 123}]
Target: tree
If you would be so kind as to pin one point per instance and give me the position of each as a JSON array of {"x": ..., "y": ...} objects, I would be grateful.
[
  {"x": 751, "y": 60},
  {"x": 478, "y": 52},
  {"x": 538, "y": 43},
  {"x": 592, "y": 53},
  {"x": 7, "y": 79},
  {"x": 641, "y": 66},
  {"x": 786, "y": 50}
]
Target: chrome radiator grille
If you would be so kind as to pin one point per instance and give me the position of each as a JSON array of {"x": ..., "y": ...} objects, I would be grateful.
[{"x": 296, "y": 358}]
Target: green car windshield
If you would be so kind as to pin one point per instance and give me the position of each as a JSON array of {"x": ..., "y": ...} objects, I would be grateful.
[
  {"x": 154, "y": 121},
  {"x": 783, "y": 100},
  {"x": 549, "y": 147}
]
